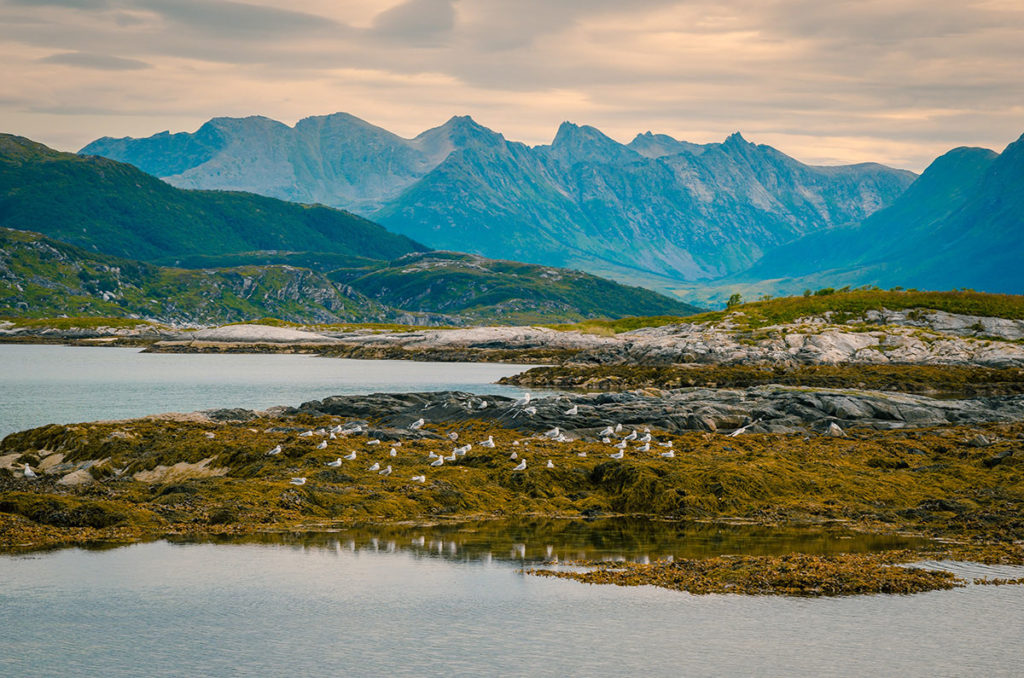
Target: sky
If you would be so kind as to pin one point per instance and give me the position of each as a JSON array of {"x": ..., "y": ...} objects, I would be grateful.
[{"x": 826, "y": 81}]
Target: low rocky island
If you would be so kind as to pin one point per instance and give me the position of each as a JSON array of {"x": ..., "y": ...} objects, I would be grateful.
[{"x": 906, "y": 421}]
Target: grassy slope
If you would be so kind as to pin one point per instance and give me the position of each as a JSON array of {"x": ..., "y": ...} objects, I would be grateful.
[{"x": 113, "y": 208}]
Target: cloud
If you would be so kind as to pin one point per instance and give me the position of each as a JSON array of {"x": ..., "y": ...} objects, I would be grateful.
[
  {"x": 417, "y": 22},
  {"x": 102, "y": 62},
  {"x": 899, "y": 81}
]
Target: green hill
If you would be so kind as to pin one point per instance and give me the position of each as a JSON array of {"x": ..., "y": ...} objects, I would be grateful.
[
  {"x": 41, "y": 277},
  {"x": 113, "y": 208}
]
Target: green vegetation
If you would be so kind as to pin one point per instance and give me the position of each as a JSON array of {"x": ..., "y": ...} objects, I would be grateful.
[
  {"x": 81, "y": 322},
  {"x": 111, "y": 207},
  {"x": 945, "y": 380}
]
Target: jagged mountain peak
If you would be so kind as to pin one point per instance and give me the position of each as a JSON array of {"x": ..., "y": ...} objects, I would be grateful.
[{"x": 576, "y": 143}]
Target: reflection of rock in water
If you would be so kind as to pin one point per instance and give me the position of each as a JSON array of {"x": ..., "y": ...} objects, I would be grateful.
[{"x": 567, "y": 540}]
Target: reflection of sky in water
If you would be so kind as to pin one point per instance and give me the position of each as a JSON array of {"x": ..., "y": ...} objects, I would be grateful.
[
  {"x": 63, "y": 384},
  {"x": 287, "y": 610}
]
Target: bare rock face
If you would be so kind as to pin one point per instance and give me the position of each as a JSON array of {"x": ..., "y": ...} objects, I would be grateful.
[
  {"x": 260, "y": 334},
  {"x": 776, "y": 409}
]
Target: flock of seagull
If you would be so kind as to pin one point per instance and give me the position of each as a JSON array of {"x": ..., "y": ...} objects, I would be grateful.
[{"x": 642, "y": 443}]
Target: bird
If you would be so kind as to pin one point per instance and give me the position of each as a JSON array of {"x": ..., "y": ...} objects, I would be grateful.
[
  {"x": 573, "y": 410},
  {"x": 276, "y": 450},
  {"x": 453, "y": 436},
  {"x": 393, "y": 452},
  {"x": 375, "y": 467},
  {"x": 350, "y": 456},
  {"x": 621, "y": 445},
  {"x": 417, "y": 424},
  {"x": 432, "y": 455},
  {"x": 437, "y": 462},
  {"x": 373, "y": 442},
  {"x": 550, "y": 464},
  {"x": 29, "y": 473},
  {"x": 515, "y": 442},
  {"x": 618, "y": 455},
  {"x": 298, "y": 481},
  {"x": 618, "y": 427},
  {"x": 452, "y": 457},
  {"x": 356, "y": 429},
  {"x": 606, "y": 440},
  {"x": 581, "y": 454},
  {"x": 397, "y": 443},
  {"x": 483, "y": 405},
  {"x": 525, "y": 400},
  {"x": 669, "y": 455},
  {"x": 607, "y": 431},
  {"x": 521, "y": 466},
  {"x": 553, "y": 433},
  {"x": 666, "y": 444},
  {"x": 322, "y": 445},
  {"x": 488, "y": 443},
  {"x": 419, "y": 479},
  {"x": 645, "y": 438},
  {"x": 385, "y": 472},
  {"x": 530, "y": 411},
  {"x": 210, "y": 434},
  {"x": 332, "y": 435},
  {"x": 742, "y": 429},
  {"x": 335, "y": 464},
  {"x": 465, "y": 448},
  {"x": 631, "y": 436},
  {"x": 306, "y": 434},
  {"x": 646, "y": 447},
  {"x": 513, "y": 456}
]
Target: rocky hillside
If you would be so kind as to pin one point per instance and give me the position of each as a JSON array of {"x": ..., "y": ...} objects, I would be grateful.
[
  {"x": 654, "y": 210},
  {"x": 40, "y": 276}
]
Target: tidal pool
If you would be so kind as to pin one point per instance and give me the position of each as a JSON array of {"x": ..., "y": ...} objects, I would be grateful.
[{"x": 451, "y": 600}]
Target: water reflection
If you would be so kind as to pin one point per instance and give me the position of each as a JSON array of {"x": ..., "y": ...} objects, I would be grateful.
[{"x": 561, "y": 540}]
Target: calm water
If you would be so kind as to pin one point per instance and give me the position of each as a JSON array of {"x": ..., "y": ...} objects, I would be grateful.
[
  {"x": 63, "y": 384},
  {"x": 451, "y": 602}
]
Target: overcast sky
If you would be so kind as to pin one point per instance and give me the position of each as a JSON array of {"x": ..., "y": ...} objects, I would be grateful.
[{"x": 827, "y": 81}]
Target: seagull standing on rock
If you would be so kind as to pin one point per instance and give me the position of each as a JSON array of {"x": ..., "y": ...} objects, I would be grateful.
[
  {"x": 29, "y": 473},
  {"x": 573, "y": 410},
  {"x": 275, "y": 450},
  {"x": 607, "y": 431},
  {"x": 415, "y": 426}
]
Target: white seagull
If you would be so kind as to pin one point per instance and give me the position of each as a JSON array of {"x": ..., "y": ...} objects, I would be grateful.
[
  {"x": 607, "y": 431},
  {"x": 581, "y": 454},
  {"x": 276, "y": 450},
  {"x": 419, "y": 479},
  {"x": 437, "y": 462},
  {"x": 666, "y": 444},
  {"x": 335, "y": 464},
  {"x": 550, "y": 464},
  {"x": 453, "y": 436},
  {"x": 298, "y": 481},
  {"x": 483, "y": 404},
  {"x": 513, "y": 456},
  {"x": 646, "y": 447},
  {"x": 417, "y": 424},
  {"x": 669, "y": 455},
  {"x": 530, "y": 411},
  {"x": 322, "y": 445},
  {"x": 488, "y": 443},
  {"x": 393, "y": 452},
  {"x": 210, "y": 434},
  {"x": 521, "y": 466},
  {"x": 618, "y": 427},
  {"x": 573, "y": 410},
  {"x": 373, "y": 442},
  {"x": 306, "y": 434},
  {"x": 631, "y": 436},
  {"x": 385, "y": 472},
  {"x": 350, "y": 456},
  {"x": 646, "y": 438},
  {"x": 29, "y": 473},
  {"x": 617, "y": 455},
  {"x": 553, "y": 433},
  {"x": 375, "y": 467},
  {"x": 621, "y": 445},
  {"x": 432, "y": 455}
]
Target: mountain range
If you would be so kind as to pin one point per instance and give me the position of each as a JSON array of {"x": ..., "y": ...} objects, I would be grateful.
[
  {"x": 91, "y": 236},
  {"x": 653, "y": 211},
  {"x": 960, "y": 225}
]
